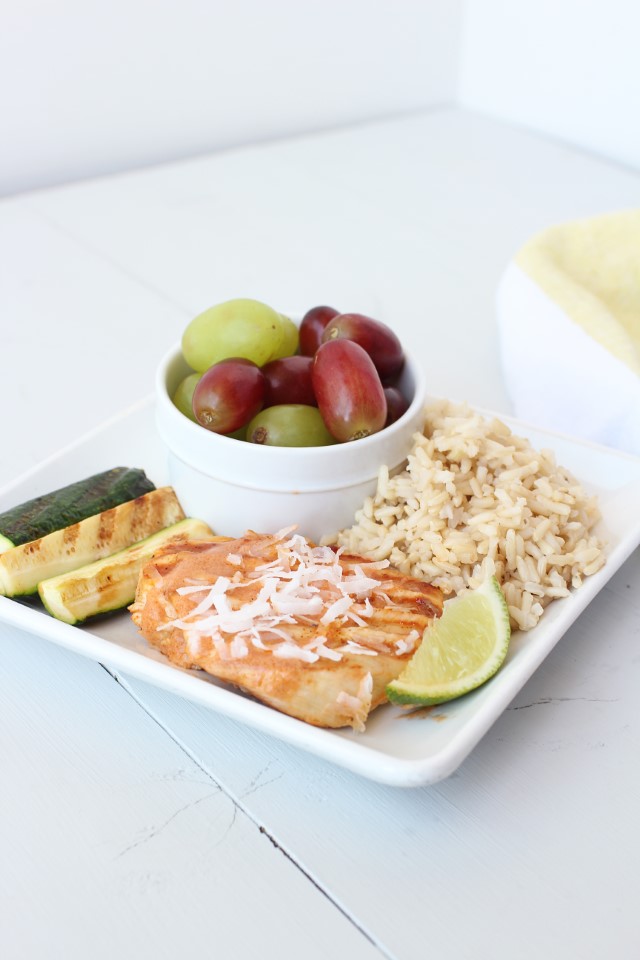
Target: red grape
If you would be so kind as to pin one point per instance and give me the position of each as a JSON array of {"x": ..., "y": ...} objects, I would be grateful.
[
  {"x": 312, "y": 327},
  {"x": 288, "y": 380},
  {"x": 376, "y": 338},
  {"x": 348, "y": 390},
  {"x": 228, "y": 395},
  {"x": 396, "y": 404}
]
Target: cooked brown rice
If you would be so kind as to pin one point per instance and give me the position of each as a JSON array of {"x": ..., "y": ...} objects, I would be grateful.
[{"x": 476, "y": 500}]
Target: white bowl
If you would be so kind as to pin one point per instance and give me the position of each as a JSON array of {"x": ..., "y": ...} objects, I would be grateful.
[{"x": 236, "y": 486}]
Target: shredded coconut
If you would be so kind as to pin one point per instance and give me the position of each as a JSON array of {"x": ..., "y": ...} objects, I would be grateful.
[
  {"x": 305, "y": 584},
  {"x": 407, "y": 644},
  {"x": 360, "y": 704},
  {"x": 352, "y": 647}
]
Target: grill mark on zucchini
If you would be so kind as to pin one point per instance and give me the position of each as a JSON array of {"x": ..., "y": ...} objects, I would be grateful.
[
  {"x": 107, "y": 520},
  {"x": 69, "y": 505},
  {"x": 110, "y": 584},
  {"x": 23, "y": 567},
  {"x": 70, "y": 534}
]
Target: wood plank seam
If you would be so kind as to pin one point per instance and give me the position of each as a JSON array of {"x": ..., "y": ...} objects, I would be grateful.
[{"x": 238, "y": 805}]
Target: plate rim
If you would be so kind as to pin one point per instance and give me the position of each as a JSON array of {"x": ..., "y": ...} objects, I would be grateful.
[{"x": 351, "y": 753}]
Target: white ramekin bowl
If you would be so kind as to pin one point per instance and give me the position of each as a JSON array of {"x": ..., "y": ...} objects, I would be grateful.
[{"x": 236, "y": 486}]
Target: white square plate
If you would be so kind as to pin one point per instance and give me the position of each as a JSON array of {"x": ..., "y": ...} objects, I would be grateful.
[{"x": 393, "y": 749}]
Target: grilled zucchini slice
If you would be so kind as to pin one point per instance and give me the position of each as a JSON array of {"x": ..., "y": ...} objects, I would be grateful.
[
  {"x": 23, "y": 567},
  {"x": 110, "y": 584},
  {"x": 38, "y": 517}
]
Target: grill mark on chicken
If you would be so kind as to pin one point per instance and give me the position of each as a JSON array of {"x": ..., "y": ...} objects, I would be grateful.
[{"x": 326, "y": 673}]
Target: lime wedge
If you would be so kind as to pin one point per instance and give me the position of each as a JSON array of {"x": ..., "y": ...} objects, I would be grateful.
[{"x": 459, "y": 651}]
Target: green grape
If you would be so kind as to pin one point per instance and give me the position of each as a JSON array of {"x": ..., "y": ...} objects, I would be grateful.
[
  {"x": 236, "y": 328},
  {"x": 290, "y": 339},
  {"x": 183, "y": 397},
  {"x": 289, "y": 425}
]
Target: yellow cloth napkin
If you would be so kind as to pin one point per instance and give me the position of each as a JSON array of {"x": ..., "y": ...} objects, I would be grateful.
[
  {"x": 591, "y": 268},
  {"x": 569, "y": 323}
]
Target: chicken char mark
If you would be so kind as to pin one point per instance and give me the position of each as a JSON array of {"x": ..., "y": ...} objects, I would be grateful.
[{"x": 337, "y": 682}]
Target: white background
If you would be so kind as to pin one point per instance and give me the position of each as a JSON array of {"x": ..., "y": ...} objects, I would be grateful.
[
  {"x": 88, "y": 87},
  {"x": 569, "y": 68}
]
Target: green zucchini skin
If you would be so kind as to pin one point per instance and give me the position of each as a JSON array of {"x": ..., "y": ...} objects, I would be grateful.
[
  {"x": 110, "y": 583},
  {"x": 23, "y": 567},
  {"x": 43, "y": 515}
]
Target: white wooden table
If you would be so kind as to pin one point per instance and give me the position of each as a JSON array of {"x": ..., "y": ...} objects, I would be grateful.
[{"x": 135, "y": 824}]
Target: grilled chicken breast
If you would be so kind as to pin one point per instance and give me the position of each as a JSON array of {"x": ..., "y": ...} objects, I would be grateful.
[{"x": 313, "y": 632}]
